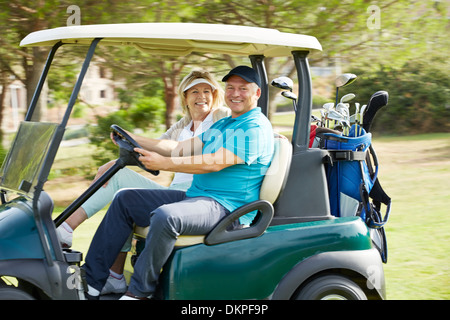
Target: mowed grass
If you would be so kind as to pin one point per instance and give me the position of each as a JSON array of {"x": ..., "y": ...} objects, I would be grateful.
[{"x": 414, "y": 171}]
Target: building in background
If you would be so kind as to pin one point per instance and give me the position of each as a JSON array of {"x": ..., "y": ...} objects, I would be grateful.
[{"x": 98, "y": 89}]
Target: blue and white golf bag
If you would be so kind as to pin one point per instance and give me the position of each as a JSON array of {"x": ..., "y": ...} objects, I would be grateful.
[{"x": 352, "y": 178}]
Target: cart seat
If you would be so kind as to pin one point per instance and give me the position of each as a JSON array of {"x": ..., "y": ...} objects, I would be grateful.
[{"x": 271, "y": 187}]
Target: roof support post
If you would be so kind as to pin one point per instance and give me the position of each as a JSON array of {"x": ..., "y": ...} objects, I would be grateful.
[
  {"x": 300, "y": 136},
  {"x": 258, "y": 65}
]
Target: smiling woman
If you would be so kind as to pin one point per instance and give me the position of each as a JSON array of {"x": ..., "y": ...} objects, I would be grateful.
[
  {"x": 199, "y": 93},
  {"x": 199, "y": 98}
]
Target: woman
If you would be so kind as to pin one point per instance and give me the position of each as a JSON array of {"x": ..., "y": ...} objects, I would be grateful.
[{"x": 201, "y": 98}]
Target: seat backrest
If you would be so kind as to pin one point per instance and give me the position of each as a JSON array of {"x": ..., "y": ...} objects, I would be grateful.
[{"x": 275, "y": 178}]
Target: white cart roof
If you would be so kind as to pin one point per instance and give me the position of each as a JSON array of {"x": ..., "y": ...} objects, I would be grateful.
[{"x": 180, "y": 38}]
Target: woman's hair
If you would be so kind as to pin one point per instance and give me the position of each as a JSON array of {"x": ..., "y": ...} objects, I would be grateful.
[{"x": 197, "y": 74}]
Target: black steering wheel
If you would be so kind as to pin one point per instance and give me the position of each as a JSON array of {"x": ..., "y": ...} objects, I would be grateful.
[{"x": 126, "y": 145}]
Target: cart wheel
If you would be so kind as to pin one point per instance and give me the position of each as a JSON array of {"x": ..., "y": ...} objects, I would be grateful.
[
  {"x": 13, "y": 293},
  {"x": 331, "y": 287}
]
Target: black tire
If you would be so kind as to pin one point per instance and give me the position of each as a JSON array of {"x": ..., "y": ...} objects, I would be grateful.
[
  {"x": 13, "y": 293},
  {"x": 331, "y": 287}
]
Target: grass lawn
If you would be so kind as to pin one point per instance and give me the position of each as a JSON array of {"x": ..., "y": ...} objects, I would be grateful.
[{"x": 415, "y": 173}]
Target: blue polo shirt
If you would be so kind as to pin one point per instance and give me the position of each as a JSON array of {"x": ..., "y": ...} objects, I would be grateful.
[{"x": 248, "y": 136}]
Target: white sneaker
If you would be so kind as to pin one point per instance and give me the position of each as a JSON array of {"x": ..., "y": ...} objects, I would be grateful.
[
  {"x": 130, "y": 296},
  {"x": 65, "y": 235},
  {"x": 114, "y": 285},
  {"x": 127, "y": 297}
]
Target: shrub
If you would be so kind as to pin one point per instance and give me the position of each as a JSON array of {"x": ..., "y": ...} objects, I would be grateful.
[
  {"x": 100, "y": 136},
  {"x": 419, "y": 92},
  {"x": 144, "y": 114}
]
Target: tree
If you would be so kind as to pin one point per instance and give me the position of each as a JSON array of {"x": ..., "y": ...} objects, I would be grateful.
[
  {"x": 18, "y": 18},
  {"x": 418, "y": 96},
  {"x": 169, "y": 69},
  {"x": 147, "y": 67},
  {"x": 23, "y": 18},
  {"x": 349, "y": 31}
]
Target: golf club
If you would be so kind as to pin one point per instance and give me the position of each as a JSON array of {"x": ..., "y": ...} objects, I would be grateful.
[
  {"x": 328, "y": 106},
  {"x": 292, "y": 96},
  {"x": 377, "y": 101},
  {"x": 315, "y": 119},
  {"x": 283, "y": 83},
  {"x": 356, "y": 116},
  {"x": 342, "y": 81},
  {"x": 348, "y": 97},
  {"x": 336, "y": 116},
  {"x": 343, "y": 109},
  {"x": 361, "y": 116},
  {"x": 322, "y": 114},
  {"x": 346, "y": 127}
]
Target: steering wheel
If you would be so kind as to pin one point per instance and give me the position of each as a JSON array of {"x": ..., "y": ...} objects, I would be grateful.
[{"x": 127, "y": 145}]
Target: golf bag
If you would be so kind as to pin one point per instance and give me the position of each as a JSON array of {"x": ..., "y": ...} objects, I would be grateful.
[{"x": 352, "y": 178}]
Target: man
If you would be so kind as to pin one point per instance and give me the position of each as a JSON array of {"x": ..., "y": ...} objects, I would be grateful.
[{"x": 228, "y": 162}]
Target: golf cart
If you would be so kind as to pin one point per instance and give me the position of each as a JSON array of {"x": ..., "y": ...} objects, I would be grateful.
[{"x": 295, "y": 249}]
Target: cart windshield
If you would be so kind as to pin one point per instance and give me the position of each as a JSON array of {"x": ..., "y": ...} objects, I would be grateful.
[{"x": 21, "y": 167}]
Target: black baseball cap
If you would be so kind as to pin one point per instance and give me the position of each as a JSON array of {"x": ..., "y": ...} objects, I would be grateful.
[{"x": 246, "y": 73}]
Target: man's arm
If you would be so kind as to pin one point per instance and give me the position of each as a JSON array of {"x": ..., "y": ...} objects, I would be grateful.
[
  {"x": 170, "y": 148},
  {"x": 196, "y": 164}
]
